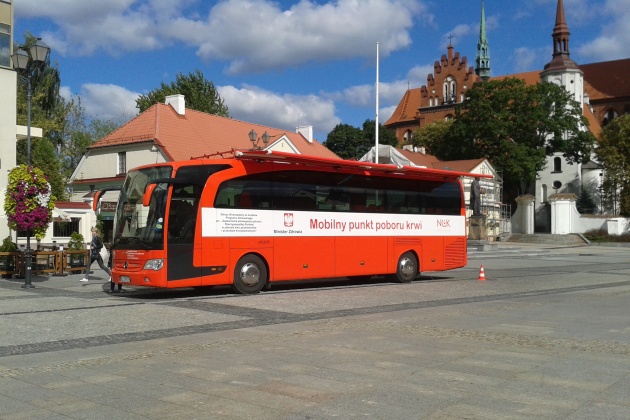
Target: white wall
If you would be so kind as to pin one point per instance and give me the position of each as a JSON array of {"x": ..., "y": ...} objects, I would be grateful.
[{"x": 8, "y": 118}]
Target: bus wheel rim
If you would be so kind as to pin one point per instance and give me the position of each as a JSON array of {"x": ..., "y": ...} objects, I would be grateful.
[
  {"x": 407, "y": 267},
  {"x": 250, "y": 274}
]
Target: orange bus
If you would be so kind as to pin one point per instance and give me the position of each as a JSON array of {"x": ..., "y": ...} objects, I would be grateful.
[{"x": 260, "y": 217}]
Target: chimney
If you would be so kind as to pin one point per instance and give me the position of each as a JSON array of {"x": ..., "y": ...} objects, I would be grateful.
[
  {"x": 306, "y": 131},
  {"x": 178, "y": 102}
]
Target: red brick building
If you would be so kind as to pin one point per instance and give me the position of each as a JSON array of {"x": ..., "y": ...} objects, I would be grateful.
[{"x": 606, "y": 90}]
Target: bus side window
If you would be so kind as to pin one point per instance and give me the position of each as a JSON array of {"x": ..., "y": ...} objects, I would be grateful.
[{"x": 244, "y": 200}]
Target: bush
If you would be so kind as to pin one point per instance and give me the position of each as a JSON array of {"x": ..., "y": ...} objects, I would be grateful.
[
  {"x": 602, "y": 235},
  {"x": 7, "y": 262},
  {"x": 76, "y": 241}
]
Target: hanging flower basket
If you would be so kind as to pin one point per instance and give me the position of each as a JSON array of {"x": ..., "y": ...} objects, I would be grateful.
[{"x": 28, "y": 202}]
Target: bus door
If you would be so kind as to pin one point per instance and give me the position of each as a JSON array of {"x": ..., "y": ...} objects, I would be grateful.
[{"x": 180, "y": 227}]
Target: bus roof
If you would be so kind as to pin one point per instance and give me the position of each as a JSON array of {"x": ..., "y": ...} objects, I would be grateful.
[{"x": 305, "y": 160}]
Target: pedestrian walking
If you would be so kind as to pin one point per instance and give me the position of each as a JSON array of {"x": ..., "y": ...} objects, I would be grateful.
[{"x": 95, "y": 254}]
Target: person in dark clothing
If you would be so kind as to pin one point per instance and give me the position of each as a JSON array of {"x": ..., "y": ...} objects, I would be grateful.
[
  {"x": 111, "y": 283},
  {"x": 95, "y": 254}
]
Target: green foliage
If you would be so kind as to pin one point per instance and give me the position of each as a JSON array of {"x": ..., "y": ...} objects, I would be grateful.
[
  {"x": 8, "y": 245},
  {"x": 201, "y": 95},
  {"x": 44, "y": 158},
  {"x": 432, "y": 135},
  {"x": 614, "y": 154},
  {"x": 516, "y": 126},
  {"x": 48, "y": 108},
  {"x": 76, "y": 242},
  {"x": 349, "y": 142},
  {"x": 7, "y": 262},
  {"x": 585, "y": 203}
]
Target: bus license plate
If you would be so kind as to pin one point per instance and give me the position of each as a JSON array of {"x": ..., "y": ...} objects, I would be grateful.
[{"x": 125, "y": 279}]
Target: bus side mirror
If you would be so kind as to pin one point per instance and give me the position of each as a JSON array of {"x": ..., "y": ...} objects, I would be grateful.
[
  {"x": 148, "y": 192},
  {"x": 96, "y": 203}
]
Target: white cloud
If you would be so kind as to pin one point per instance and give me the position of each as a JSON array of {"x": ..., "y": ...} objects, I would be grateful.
[
  {"x": 251, "y": 35},
  {"x": 389, "y": 93},
  {"x": 614, "y": 39},
  {"x": 108, "y": 102},
  {"x": 115, "y": 26},
  {"x": 305, "y": 32},
  {"x": 260, "y": 106}
]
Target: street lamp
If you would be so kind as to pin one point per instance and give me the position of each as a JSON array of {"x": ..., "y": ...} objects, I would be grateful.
[
  {"x": 39, "y": 53},
  {"x": 253, "y": 137}
]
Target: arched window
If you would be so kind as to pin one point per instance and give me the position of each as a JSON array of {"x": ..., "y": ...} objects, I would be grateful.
[
  {"x": 408, "y": 136},
  {"x": 449, "y": 90},
  {"x": 557, "y": 164},
  {"x": 610, "y": 115},
  {"x": 430, "y": 101}
]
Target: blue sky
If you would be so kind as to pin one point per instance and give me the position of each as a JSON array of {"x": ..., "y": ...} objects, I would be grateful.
[{"x": 286, "y": 63}]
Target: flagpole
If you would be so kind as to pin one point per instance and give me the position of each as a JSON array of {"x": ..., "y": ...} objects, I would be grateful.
[{"x": 376, "y": 140}]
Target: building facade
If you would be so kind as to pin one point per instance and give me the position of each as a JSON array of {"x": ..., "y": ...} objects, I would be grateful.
[{"x": 8, "y": 117}]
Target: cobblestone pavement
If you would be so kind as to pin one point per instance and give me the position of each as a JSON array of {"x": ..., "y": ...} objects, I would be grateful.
[{"x": 546, "y": 336}]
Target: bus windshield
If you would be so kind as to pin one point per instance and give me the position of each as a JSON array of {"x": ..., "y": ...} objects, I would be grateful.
[{"x": 135, "y": 225}]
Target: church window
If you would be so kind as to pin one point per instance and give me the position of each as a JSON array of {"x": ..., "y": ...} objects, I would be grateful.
[
  {"x": 448, "y": 90},
  {"x": 610, "y": 115},
  {"x": 557, "y": 164},
  {"x": 408, "y": 136}
]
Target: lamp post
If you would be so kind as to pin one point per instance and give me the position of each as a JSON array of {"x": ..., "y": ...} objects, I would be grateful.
[{"x": 39, "y": 53}]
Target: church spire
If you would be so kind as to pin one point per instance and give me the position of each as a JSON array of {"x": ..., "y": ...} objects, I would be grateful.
[
  {"x": 561, "y": 57},
  {"x": 483, "y": 50}
]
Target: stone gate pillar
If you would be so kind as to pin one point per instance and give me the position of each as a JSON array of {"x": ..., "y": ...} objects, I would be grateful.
[
  {"x": 523, "y": 221},
  {"x": 563, "y": 213}
]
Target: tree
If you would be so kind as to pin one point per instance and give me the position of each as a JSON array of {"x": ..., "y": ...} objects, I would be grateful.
[
  {"x": 48, "y": 112},
  {"x": 614, "y": 154},
  {"x": 585, "y": 203},
  {"x": 78, "y": 134},
  {"x": 349, "y": 142},
  {"x": 44, "y": 158},
  {"x": 516, "y": 126},
  {"x": 201, "y": 95},
  {"x": 431, "y": 136},
  {"x": 345, "y": 141},
  {"x": 48, "y": 108}
]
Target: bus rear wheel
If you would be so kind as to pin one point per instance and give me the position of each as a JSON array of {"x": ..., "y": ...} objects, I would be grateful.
[
  {"x": 250, "y": 275},
  {"x": 406, "y": 269}
]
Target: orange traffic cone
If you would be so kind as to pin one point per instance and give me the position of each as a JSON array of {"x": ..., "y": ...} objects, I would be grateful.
[{"x": 482, "y": 275}]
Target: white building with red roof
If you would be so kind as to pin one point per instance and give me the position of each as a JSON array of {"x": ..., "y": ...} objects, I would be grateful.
[{"x": 170, "y": 132}]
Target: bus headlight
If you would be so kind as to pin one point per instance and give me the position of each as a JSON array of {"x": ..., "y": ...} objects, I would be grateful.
[{"x": 154, "y": 265}]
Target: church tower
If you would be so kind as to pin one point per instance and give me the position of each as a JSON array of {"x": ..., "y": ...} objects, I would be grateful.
[
  {"x": 562, "y": 70},
  {"x": 483, "y": 50}
]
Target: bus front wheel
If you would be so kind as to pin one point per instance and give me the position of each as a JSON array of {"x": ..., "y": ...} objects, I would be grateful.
[
  {"x": 406, "y": 269},
  {"x": 250, "y": 275}
]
